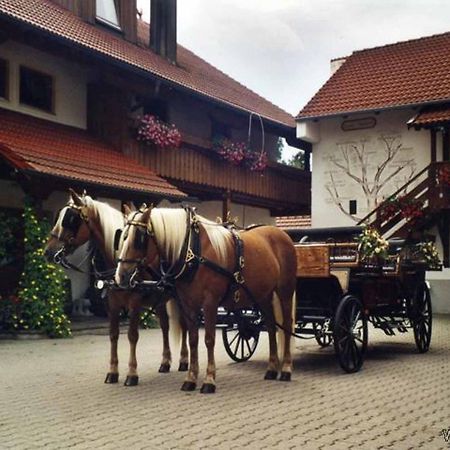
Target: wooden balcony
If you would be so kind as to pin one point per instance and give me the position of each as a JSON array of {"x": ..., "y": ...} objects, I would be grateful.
[{"x": 197, "y": 170}]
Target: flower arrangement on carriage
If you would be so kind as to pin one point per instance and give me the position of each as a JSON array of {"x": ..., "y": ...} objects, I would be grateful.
[
  {"x": 154, "y": 131},
  {"x": 427, "y": 254},
  {"x": 373, "y": 248}
]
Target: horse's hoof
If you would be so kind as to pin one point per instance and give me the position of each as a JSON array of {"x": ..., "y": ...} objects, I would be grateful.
[
  {"x": 285, "y": 376},
  {"x": 112, "y": 378},
  {"x": 208, "y": 388},
  {"x": 164, "y": 368},
  {"x": 271, "y": 375},
  {"x": 132, "y": 380},
  {"x": 183, "y": 367},
  {"x": 188, "y": 386}
]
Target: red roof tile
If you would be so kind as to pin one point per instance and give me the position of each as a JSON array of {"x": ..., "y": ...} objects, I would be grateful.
[
  {"x": 292, "y": 222},
  {"x": 192, "y": 72},
  {"x": 431, "y": 115},
  {"x": 61, "y": 151},
  {"x": 406, "y": 73}
]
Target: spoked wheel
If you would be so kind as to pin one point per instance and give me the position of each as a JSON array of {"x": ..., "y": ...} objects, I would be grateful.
[
  {"x": 350, "y": 334},
  {"x": 421, "y": 319},
  {"x": 241, "y": 335},
  {"x": 323, "y": 339}
]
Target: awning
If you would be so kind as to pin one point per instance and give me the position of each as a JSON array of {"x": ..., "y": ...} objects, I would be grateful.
[
  {"x": 431, "y": 116},
  {"x": 40, "y": 147}
]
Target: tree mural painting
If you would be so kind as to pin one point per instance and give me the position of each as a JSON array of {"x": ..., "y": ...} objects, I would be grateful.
[{"x": 370, "y": 167}]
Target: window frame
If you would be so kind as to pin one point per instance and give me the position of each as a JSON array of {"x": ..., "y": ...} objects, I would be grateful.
[
  {"x": 106, "y": 22},
  {"x": 52, "y": 87},
  {"x": 7, "y": 78}
]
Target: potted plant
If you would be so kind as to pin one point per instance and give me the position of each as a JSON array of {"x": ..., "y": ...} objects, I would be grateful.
[{"x": 154, "y": 131}]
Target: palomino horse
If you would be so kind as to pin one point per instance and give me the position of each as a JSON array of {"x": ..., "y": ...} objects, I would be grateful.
[
  {"x": 85, "y": 219},
  {"x": 203, "y": 262}
]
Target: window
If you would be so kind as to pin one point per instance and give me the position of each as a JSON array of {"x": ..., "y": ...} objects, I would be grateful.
[
  {"x": 36, "y": 89},
  {"x": 108, "y": 12},
  {"x": 3, "y": 79}
]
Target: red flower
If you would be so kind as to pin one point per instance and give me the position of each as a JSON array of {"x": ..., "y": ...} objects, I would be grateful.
[{"x": 153, "y": 131}]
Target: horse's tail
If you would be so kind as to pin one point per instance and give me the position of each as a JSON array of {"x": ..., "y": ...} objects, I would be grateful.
[
  {"x": 279, "y": 320},
  {"x": 173, "y": 311}
]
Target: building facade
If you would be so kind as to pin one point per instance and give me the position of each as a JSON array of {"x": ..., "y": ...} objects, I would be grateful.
[
  {"x": 379, "y": 128},
  {"x": 76, "y": 77}
]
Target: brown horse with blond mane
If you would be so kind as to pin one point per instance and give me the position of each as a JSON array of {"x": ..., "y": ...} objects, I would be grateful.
[
  {"x": 206, "y": 265},
  {"x": 84, "y": 219}
]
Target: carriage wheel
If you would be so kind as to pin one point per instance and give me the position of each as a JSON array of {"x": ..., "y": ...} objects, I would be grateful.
[
  {"x": 421, "y": 318},
  {"x": 350, "y": 334},
  {"x": 323, "y": 339},
  {"x": 241, "y": 335}
]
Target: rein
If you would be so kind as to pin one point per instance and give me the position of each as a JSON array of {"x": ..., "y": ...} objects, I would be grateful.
[{"x": 190, "y": 259}]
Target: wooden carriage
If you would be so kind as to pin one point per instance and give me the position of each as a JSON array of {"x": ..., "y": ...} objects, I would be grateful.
[{"x": 339, "y": 293}]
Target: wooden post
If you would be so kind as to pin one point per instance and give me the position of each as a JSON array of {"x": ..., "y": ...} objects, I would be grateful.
[
  {"x": 433, "y": 145},
  {"x": 226, "y": 205},
  {"x": 445, "y": 144},
  {"x": 444, "y": 232}
]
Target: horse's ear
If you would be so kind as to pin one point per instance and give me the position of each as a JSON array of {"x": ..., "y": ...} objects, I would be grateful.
[
  {"x": 146, "y": 214},
  {"x": 77, "y": 200},
  {"x": 126, "y": 210}
]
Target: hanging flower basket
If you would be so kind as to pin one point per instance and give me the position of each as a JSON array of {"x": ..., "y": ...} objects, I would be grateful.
[
  {"x": 153, "y": 131},
  {"x": 240, "y": 153},
  {"x": 256, "y": 161},
  {"x": 233, "y": 152}
]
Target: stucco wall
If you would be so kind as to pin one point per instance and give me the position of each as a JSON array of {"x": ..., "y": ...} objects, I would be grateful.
[
  {"x": 246, "y": 215},
  {"x": 333, "y": 174},
  {"x": 70, "y": 81}
]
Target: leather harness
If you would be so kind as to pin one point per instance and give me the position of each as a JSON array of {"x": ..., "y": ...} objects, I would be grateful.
[{"x": 186, "y": 266}]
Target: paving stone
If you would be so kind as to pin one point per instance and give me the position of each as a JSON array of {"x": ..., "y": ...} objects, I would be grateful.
[{"x": 53, "y": 397}]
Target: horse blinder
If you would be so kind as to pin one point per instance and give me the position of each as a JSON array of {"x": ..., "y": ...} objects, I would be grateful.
[
  {"x": 140, "y": 239},
  {"x": 72, "y": 220},
  {"x": 117, "y": 237}
]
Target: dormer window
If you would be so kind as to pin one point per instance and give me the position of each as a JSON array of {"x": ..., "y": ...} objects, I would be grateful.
[{"x": 107, "y": 12}]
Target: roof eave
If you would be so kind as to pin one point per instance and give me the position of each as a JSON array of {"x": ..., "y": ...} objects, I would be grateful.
[
  {"x": 142, "y": 72},
  {"x": 301, "y": 118}
]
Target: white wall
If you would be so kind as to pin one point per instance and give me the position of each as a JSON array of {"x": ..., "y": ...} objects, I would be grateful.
[
  {"x": 331, "y": 184},
  {"x": 246, "y": 215},
  {"x": 70, "y": 80}
]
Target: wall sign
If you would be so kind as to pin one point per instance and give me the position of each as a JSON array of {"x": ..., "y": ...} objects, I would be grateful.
[{"x": 358, "y": 124}]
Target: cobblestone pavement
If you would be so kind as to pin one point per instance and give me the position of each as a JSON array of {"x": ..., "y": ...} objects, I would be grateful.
[{"x": 52, "y": 396}]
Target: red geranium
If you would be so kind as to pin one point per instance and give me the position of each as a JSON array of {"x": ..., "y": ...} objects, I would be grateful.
[{"x": 151, "y": 130}]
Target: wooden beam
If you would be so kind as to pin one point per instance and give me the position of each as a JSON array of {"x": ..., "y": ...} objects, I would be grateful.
[
  {"x": 226, "y": 205},
  {"x": 433, "y": 145}
]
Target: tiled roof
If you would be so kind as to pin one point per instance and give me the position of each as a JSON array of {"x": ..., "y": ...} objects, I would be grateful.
[
  {"x": 431, "y": 115},
  {"x": 292, "y": 222},
  {"x": 192, "y": 72},
  {"x": 406, "y": 73},
  {"x": 60, "y": 151}
]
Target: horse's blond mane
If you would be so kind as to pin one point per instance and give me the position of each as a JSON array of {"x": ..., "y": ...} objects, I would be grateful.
[
  {"x": 169, "y": 226},
  {"x": 110, "y": 219}
]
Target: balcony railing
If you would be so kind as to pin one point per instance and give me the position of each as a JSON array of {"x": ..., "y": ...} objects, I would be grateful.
[{"x": 196, "y": 168}]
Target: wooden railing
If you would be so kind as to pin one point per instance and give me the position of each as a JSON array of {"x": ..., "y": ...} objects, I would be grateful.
[
  {"x": 196, "y": 166},
  {"x": 427, "y": 188}
]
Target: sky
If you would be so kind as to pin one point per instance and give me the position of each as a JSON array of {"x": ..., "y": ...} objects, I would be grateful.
[{"x": 282, "y": 49}]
